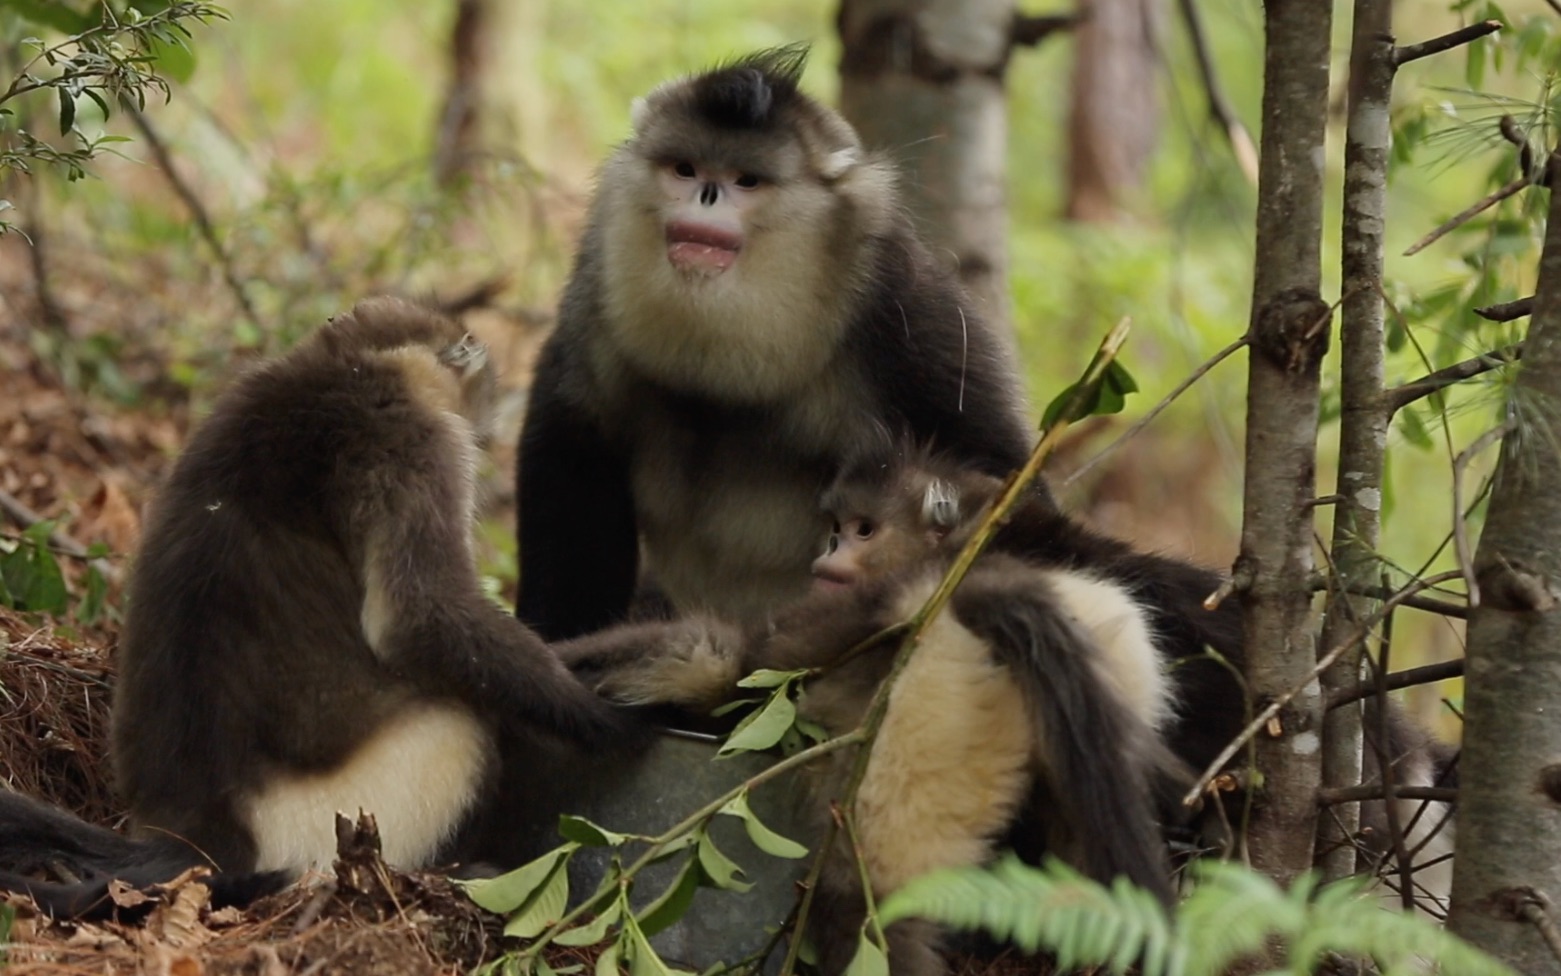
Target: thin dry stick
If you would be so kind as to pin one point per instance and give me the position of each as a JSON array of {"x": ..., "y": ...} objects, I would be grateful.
[
  {"x": 1157, "y": 409},
  {"x": 1219, "y": 105},
  {"x": 28, "y": 518},
  {"x": 1460, "y": 530},
  {"x": 1376, "y": 791},
  {"x": 1386, "y": 770},
  {"x": 1533, "y": 912},
  {"x": 1401, "y": 396},
  {"x": 1436, "y": 45},
  {"x": 1407, "y": 678},
  {"x": 197, "y": 210},
  {"x": 1257, "y": 724},
  {"x": 1507, "y": 311},
  {"x": 1463, "y": 217}
]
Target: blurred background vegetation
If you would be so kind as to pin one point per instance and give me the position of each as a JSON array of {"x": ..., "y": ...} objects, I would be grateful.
[{"x": 307, "y": 133}]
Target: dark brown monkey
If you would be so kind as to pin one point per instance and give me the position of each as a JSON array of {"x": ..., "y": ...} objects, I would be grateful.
[
  {"x": 749, "y": 306},
  {"x": 307, "y": 633},
  {"x": 1037, "y": 696}
]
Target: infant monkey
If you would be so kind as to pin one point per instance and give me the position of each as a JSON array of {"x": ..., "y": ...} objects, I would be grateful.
[{"x": 1037, "y": 695}]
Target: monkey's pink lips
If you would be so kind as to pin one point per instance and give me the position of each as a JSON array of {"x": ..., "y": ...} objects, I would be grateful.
[{"x": 700, "y": 247}]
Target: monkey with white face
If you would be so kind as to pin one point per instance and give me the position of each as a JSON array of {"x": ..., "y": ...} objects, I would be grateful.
[
  {"x": 307, "y": 634},
  {"x": 1037, "y": 698},
  {"x": 749, "y": 307}
]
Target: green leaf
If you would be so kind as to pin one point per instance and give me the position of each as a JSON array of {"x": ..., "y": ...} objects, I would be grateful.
[
  {"x": 545, "y": 908},
  {"x": 91, "y": 608},
  {"x": 670, "y": 905},
  {"x": 588, "y": 834},
  {"x": 1109, "y": 397},
  {"x": 174, "y": 61},
  {"x": 733, "y": 706},
  {"x": 643, "y": 960},
  {"x": 719, "y": 869},
  {"x": 50, "y": 13},
  {"x": 510, "y": 891},
  {"x": 763, "y": 837},
  {"x": 869, "y": 959},
  {"x": 46, "y": 587},
  {"x": 67, "y": 111},
  {"x": 762, "y": 729},
  {"x": 607, "y": 962},
  {"x": 1413, "y": 427},
  {"x": 768, "y": 678},
  {"x": 595, "y": 930}
]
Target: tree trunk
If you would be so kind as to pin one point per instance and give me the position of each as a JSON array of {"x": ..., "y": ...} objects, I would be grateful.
[
  {"x": 456, "y": 140},
  {"x": 923, "y": 80},
  {"x": 1289, "y": 334},
  {"x": 1114, "y": 117},
  {"x": 1507, "y": 876},
  {"x": 1363, "y": 424}
]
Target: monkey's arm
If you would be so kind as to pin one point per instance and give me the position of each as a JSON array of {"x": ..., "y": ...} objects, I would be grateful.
[
  {"x": 694, "y": 663},
  {"x": 579, "y": 548},
  {"x": 424, "y": 612}
]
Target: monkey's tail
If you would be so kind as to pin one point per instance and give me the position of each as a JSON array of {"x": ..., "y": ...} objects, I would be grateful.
[
  {"x": 35, "y": 837},
  {"x": 1100, "y": 759}
]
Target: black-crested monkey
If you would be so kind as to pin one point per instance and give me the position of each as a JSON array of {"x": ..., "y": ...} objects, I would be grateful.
[
  {"x": 307, "y": 634},
  {"x": 749, "y": 306},
  {"x": 1037, "y": 697}
]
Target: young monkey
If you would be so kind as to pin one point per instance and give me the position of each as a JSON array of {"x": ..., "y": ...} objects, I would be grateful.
[{"x": 1037, "y": 695}]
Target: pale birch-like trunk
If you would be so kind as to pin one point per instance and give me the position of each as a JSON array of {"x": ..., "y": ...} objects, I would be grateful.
[{"x": 923, "y": 80}]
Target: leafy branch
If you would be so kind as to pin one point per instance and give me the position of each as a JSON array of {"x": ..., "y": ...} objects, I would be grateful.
[{"x": 109, "y": 57}]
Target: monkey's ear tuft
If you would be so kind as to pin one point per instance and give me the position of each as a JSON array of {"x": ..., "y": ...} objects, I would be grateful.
[
  {"x": 836, "y": 164},
  {"x": 639, "y": 114},
  {"x": 466, "y": 355},
  {"x": 940, "y": 504}
]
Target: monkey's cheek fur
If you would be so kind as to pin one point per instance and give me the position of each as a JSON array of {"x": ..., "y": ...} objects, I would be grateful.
[{"x": 700, "y": 259}]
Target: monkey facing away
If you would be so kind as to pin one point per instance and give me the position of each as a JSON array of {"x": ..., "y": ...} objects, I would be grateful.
[
  {"x": 307, "y": 633},
  {"x": 749, "y": 306},
  {"x": 1038, "y": 695}
]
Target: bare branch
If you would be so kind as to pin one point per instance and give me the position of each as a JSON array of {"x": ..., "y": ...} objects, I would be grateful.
[
  {"x": 1156, "y": 410},
  {"x": 1219, "y": 107},
  {"x": 1508, "y": 311},
  {"x": 197, "y": 210},
  {"x": 28, "y": 518},
  {"x": 1436, "y": 45},
  {"x": 1402, "y": 396},
  {"x": 1409, "y": 677},
  {"x": 1460, "y": 530},
  {"x": 1262, "y": 719},
  {"x": 1463, "y": 217},
  {"x": 1374, "y": 791}
]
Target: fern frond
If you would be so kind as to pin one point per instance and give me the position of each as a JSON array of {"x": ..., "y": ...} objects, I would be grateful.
[{"x": 1081, "y": 921}]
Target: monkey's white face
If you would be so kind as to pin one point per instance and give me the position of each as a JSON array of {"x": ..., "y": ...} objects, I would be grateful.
[{"x": 704, "y": 215}]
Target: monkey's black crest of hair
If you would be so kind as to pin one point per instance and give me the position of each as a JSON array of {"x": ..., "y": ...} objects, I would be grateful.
[{"x": 749, "y": 92}]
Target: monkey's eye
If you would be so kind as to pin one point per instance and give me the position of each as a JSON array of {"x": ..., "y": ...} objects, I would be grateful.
[
  {"x": 747, "y": 181},
  {"x": 684, "y": 171},
  {"x": 864, "y": 529}
]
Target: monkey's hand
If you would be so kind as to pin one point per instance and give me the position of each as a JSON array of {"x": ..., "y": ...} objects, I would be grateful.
[{"x": 694, "y": 663}]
